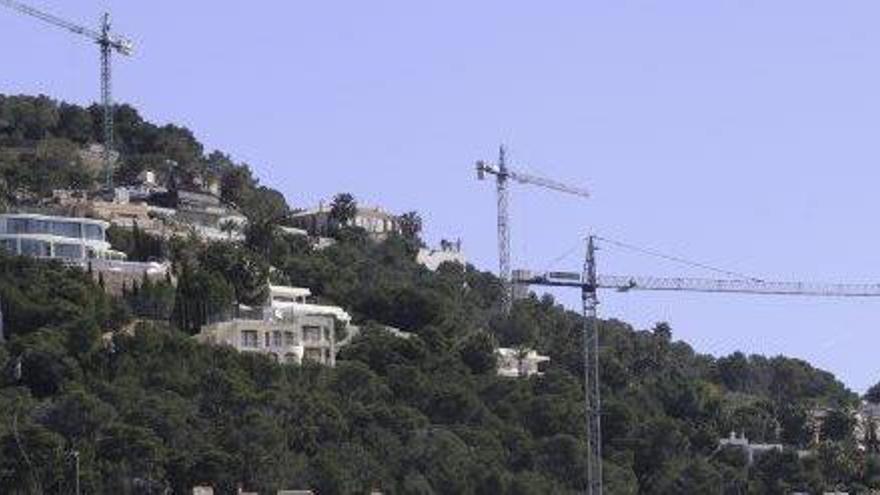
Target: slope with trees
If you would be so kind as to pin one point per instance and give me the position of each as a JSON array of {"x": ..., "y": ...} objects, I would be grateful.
[{"x": 120, "y": 381}]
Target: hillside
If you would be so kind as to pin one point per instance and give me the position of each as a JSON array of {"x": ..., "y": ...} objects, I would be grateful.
[
  {"x": 147, "y": 407},
  {"x": 41, "y": 140}
]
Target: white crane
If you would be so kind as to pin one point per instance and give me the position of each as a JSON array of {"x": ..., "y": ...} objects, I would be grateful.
[
  {"x": 107, "y": 43},
  {"x": 502, "y": 175},
  {"x": 589, "y": 282}
]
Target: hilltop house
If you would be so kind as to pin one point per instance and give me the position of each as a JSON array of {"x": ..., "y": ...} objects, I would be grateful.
[
  {"x": 377, "y": 222},
  {"x": 75, "y": 241}
]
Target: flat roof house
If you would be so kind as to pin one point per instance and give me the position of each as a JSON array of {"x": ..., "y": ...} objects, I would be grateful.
[
  {"x": 45, "y": 236},
  {"x": 377, "y": 222},
  {"x": 288, "y": 329},
  {"x": 75, "y": 241}
]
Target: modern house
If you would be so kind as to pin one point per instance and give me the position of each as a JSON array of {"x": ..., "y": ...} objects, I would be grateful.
[
  {"x": 516, "y": 363},
  {"x": 45, "y": 236},
  {"x": 288, "y": 329},
  {"x": 76, "y": 241},
  {"x": 377, "y": 222}
]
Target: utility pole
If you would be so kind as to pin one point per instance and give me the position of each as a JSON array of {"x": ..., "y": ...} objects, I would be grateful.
[{"x": 76, "y": 460}]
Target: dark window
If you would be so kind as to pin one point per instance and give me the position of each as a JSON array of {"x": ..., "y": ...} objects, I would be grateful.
[
  {"x": 31, "y": 247},
  {"x": 94, "y": 232},
  {"x": 71, "y": 251},
  {"x": 66, "y": 229}
]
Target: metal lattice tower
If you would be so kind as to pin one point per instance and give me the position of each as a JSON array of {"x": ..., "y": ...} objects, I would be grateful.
[
  {"x": 503, "y": 231},
  {"x": 592, "y": 396},
  {"x": 589, "y": 282},
  {"x": 503, "y": 174},
  {"x": 107, "y": 98},
  {"x": 107, "y": 43}
]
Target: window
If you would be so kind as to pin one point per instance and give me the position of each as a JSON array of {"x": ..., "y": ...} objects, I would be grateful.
[
  {"x": 39, "y": 226},
  {"x": 8, "y": 245},
  {"x": 313, "y": 355},
  {"x": 276, "y": 338},
  {"x": 31, "y": 247},
  {"x": 16, "y": 226},
  {"x": 267, "y": 339},
  {"x": 249, "y": 338},
  {"x": 94, "y": 232},
  {"x": 66, "y": 229},
  {"x": 69, "y": 251},
  {"x": 289, "y": 339},
  {"x": 311, "y": 334}
]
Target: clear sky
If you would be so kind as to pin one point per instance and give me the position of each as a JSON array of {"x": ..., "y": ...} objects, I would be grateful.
[{"x": 738, "y": 133}]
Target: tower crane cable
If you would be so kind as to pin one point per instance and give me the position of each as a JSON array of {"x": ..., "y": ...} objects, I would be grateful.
[{"x": 677, "y": 259}]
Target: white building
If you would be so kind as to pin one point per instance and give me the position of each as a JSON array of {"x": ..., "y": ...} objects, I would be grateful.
[
  {"x": 515, "y": 363},
  {"x": 44, "y": 236},
  {"x": 448, "y": 252},
  {"x": 78, "y": 242},
  {"x": 751, "y": 450},
  {"x": 289, "y": 329},
  {"x": 377, "y": 222}
]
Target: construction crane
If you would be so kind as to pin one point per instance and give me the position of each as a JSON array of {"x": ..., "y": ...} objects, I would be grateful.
[
  {"x": 589, "y": 282},
  {"x": 502, "y": 176},
  {"x": 107, "y": 43}
]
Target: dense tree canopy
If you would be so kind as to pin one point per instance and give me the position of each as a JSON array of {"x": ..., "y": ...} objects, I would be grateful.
[
  {"x": 121, "y": 381},
  {"x": 40, "y": 141}
]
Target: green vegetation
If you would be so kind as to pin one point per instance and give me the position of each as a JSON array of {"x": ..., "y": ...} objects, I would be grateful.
[
  {"x": 40, "y": 139},
  {"x": 149, "y": 408}
]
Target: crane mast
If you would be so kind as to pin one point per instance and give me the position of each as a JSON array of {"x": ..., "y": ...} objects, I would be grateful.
[
  {"x": 107, "y": 43},
  {"x": 503, "y": 175},
  {"x": 589, "y": 283}
]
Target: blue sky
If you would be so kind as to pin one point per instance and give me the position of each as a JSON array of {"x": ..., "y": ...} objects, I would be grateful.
[{"x": 738, "y": 133}]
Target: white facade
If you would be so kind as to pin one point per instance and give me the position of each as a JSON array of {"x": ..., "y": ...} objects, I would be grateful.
[
  {"x": 377, "y": 222},
  {"x": 45, "y": 236},
  {"x": 751, "y": 450},
  {"x": 289, "y": 329},
  {"x": 448, "y": 252},
  {"x": 515, "y": 363}
]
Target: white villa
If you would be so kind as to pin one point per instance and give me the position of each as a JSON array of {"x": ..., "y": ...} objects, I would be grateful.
[
  {"x": 45, "y": 236},
  {"x": 76, "y": 241},
  {"x": 289, "y": 329},
  {"x": 751, "y": 450},
  {"x": 515, "y": 363},
  {"x": 376, "y": 221}
]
